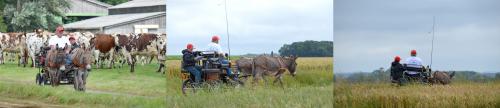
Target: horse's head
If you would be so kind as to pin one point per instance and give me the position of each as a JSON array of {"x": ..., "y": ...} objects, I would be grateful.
[{"x": 291, "y": 64}]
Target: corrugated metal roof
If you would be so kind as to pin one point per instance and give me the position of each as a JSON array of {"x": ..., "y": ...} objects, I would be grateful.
[
  {"x": 140, "y": 3},
  {"x": 103, "y": 21},
  {"x": 99, "y": 3}
]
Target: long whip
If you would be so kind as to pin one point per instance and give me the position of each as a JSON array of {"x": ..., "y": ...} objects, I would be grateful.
[{"x": 227, "y": 30}]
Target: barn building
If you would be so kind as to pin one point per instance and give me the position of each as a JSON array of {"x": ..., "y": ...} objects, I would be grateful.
[
  {"x": 137, "y": 16},
  {"x": 85, "y": 9}
]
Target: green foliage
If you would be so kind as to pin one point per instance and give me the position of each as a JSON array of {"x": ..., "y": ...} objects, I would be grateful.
[
  {"x": 114, "y": 2},
  {"x": 308, "y": 48},
  {"x": 27, "y": 15},
  {"x": 3, "y": 26}
]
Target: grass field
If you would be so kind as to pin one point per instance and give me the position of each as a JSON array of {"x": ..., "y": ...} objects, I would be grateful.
[
  {"x": 105, "y": 88},
  {"x": 456, "y": 95},
  {"x": 312, "y": 87}
]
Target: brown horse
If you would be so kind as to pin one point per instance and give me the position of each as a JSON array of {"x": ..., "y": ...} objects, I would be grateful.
[
  {"x": 55, "y": 63},
  {"x": 267, "y": 65},
  {"x": 81, "y": 59},
  {"x": 441, "y": 77}
]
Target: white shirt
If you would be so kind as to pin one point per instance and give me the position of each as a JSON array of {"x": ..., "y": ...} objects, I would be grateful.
[
  {"x": 214, "y": 47},
  {"x": 415, "y": 62},
  {"x": 63, "y": 41}
]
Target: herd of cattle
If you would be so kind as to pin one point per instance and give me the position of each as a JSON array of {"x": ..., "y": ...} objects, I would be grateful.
[{"x": 107, "y": 48}]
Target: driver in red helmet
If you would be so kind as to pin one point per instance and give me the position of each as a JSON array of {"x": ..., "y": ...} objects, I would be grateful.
[
  {"x": 215, "y": 47},
  {"x": 189, "y": 59},
  {"x": 413, "y": 64},
  {"x": 397, "y": 70}
]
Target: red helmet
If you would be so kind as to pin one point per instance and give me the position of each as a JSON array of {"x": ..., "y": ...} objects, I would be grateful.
[
  {"x": 189, "y": 46},
  {"x": 397, "y": 58},
  {"x": 413, "y": 52},
  {"x": 215, "y": 38},
  {"x": 71, "y": 38}
]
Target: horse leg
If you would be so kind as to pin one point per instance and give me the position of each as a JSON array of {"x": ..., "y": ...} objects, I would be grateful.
[
  {"x": 84, "y": 78},
  {"x": 256, "y": 75},
  {"x": 52, "y": 77},
  {"x": 278, "y": 74}
]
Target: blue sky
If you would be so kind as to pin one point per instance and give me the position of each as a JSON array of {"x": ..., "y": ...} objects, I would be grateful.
[
  {"x": 255, "y": 26},
  {"x": 369, "y": 33}
]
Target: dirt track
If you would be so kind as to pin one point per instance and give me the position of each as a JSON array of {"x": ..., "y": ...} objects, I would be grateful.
[{"x": 18, "y": 103}]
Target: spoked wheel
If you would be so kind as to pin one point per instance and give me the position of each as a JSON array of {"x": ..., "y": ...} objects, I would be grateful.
[{"x": 188, "y": 87}]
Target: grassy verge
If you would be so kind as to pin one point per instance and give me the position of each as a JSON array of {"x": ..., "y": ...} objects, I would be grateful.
[
  {"x": 71, "y": 98},
  {"x": 105, "y": 87}
]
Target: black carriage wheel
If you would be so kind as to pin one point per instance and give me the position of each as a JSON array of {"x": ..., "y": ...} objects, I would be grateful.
[{"x": 187, "y": 86}]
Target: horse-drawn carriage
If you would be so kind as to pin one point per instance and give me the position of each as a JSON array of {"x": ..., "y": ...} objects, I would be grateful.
[
  {"x": 213, "y": 73},
  {"x": 53, "y": 69},
  {"x": 66, "y": 76},
  {"x": 414, "y": 75}
]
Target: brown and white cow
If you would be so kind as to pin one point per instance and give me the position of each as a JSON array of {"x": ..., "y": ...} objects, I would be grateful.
[
  {"x": 35, "y": 41},
  {"x": 104, "y": 49},
  {"x": 133, "y": 46},
  {"x": 14, "y": 45}
]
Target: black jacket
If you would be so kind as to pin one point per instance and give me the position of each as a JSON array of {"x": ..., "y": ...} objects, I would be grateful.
[
  {"x": 188, "y": 58},
  {"x": 397, "y": 70}
]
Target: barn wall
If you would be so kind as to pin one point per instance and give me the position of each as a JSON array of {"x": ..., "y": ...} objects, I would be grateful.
[
  {"x": 147, "y": 9},
  {"x": 84, "y": 7},
  {"x": 129, "y": 28}
]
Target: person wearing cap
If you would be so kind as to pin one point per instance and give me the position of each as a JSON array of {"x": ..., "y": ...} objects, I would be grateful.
[
  {"x": 189, "y": 59},
  {"x": 73, "y": 45},
  {"x": 413, "y": 64},
  {"x": 215, "y": 47},
  {"x": 59, "y": 40},
  {"x": 397, "y": 70}
]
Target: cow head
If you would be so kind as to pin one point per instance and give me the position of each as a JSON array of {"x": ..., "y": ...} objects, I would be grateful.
[{"x": 161, "y": 42}]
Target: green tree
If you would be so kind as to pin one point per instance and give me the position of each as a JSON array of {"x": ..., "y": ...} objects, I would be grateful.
[
  {"x": 27, "y": 15},
  {"x": 308, "y": 48},
  {"x": 114, "y": 2},
  {"x": 3, "y": 25}
]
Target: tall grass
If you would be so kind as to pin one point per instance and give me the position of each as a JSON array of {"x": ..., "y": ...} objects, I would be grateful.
[
  {"x": 456, "y": 95},
  {"x": 312, "y": 87}
]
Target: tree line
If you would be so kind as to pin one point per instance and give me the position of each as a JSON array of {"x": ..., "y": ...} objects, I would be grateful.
[
  {"x": 308, "y": 48},
  {"x": 383, "y": 76}
]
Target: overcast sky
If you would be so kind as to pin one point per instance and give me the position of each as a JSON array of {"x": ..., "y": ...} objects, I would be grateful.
[
  {"x": 255, "y": 26},
  {"x": 369, "y": 33}
]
